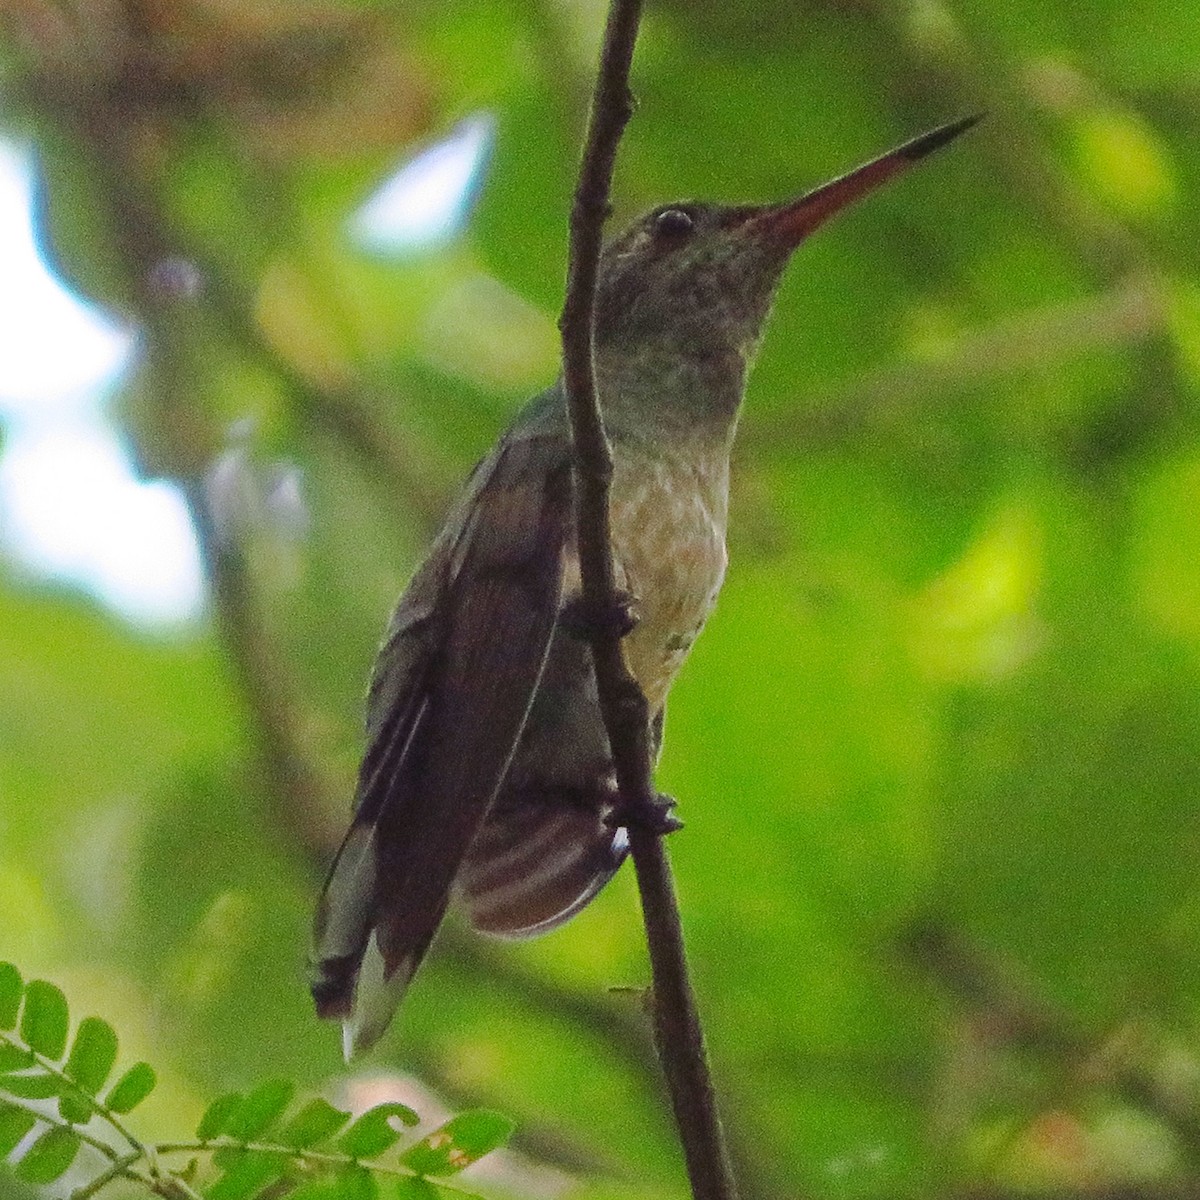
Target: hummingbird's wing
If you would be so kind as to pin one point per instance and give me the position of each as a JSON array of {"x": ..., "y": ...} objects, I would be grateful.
[{"x": 448, "y": 701}]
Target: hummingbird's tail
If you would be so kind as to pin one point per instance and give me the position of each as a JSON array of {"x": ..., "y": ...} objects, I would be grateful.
[
  {"x": 350, "y": 978},
  {"x": 537, "y": 860}
]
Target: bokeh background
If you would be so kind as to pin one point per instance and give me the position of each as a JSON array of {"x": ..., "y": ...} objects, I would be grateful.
[{"x": 275, "y": 272}]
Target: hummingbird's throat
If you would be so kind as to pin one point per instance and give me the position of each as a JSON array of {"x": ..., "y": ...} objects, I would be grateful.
[{"x": 671, "y": 396}]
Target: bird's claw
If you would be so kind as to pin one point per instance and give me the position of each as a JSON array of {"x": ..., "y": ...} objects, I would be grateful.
[
  {"x": 589, "y": 624},
  {"x": 654, "y": 817}
]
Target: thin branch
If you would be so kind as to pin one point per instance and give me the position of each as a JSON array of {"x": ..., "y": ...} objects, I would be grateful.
[{"x": 626, "y": 718}]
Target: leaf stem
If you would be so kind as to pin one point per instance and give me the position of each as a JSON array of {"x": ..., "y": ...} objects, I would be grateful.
[
  {"x": 121, "y": 1167},
  {"x": 316, "y": 1158},
  {"x": 110, "y": 1118}
]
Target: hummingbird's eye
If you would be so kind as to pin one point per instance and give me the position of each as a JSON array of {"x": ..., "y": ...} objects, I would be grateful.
[{"x": 673, "y": 224}]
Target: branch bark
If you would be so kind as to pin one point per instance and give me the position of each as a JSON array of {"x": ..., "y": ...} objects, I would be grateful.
[{"x": 678, "y": 1035}]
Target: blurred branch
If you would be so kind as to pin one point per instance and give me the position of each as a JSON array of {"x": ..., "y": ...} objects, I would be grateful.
[
  {"x": 617, "y": 1020},
  {"x": 626, "y": 717},
  {"x": 1037, "y": 341},
  {"x": 1015, "y": 1016},
  {"x": 144, "y": 241},
  {"x": 295, "y": 786}
]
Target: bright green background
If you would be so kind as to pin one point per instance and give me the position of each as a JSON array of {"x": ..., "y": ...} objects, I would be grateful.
[{"x": 938, "y": 750}]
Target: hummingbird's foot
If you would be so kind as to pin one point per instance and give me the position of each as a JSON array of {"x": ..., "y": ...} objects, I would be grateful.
[
  {"x": 655, "y": 817},
  {"x": 589, "y": 624}
]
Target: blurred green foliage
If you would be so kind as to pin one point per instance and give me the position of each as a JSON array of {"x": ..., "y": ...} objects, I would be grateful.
[{"x": 938, "y": 749}]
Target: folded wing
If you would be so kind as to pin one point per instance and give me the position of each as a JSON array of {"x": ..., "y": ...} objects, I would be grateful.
[{"x": 448, "y": 702}]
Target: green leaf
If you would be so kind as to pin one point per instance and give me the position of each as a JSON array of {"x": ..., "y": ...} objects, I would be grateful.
[
  {"x": 35, "y": 1086},
  {"x": 357, "y": 1183},
  {"x": 321, "y": 1187},
  {"x": 93, "y": 1054},
  {"x": 13, "y": 1058},
  {"x": 315, "y": 1122},
  {"x": 414, "y": 1188},
  {"x": 75, "y": 1108},
  {"x": 459, "y": 1143},
  {"x": 217, "y": 1116},
  {"x": 348, "y": 1183},
  {"x": 249, "y": 1173},
  {"x": 15, "y": 1123},
  {"x": 49, "y": 1156},
  {"x": 226, "y": 1157},
  {"x": 11, "y": 988},
  {"x": 373, "y": 1132},
  {"x": 131, "y": 1089},
  {"x": 45, "y": 1019},
  {"x": 261, "y": 1108}
]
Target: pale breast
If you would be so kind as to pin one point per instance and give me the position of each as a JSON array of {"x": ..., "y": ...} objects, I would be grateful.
[{"x": 668, "y": 519}]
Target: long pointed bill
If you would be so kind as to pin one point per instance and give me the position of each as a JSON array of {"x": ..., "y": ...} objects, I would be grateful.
[{"x": 794, "y": 220}]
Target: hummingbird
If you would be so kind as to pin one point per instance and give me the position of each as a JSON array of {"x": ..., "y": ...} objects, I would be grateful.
[{"x": 487, "y": 776}]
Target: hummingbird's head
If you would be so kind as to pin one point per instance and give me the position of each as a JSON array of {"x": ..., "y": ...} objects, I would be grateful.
[
  {"x": 695, "y": 281},
  {"x": 688, "y": 278}
]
